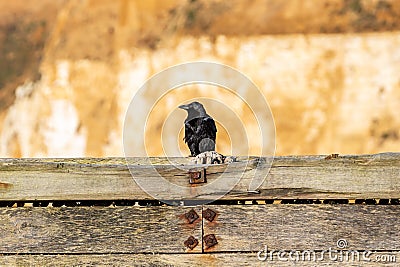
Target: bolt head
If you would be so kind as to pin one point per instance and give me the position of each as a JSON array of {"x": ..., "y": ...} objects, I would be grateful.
[
  {"x": 191, "y": 242},
  {"x": 191, "y": 216},
  {"x": 210, "y": 240},
  {"x": 197, "y": 176}
]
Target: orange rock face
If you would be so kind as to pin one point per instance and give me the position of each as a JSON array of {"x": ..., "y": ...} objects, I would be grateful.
[{"x": 330, "y": 71}]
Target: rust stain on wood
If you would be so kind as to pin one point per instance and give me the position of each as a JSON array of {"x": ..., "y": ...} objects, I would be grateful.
[{"x": 5, "y": 185}]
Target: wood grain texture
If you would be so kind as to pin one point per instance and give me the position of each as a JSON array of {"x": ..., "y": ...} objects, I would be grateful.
[
  {"x": 247, "y": 228},
  {"x": 218, "y": 259},
  {"x": 300, "y": 227},
  {"x": 295, "y": 177},
  {"x": 97, "y": 230}
]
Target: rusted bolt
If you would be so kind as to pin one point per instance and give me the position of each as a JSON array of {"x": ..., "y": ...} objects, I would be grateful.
[
  {"x": 209, "y": 214},
  {"x": 210, "y": 240},
  {"x": 191, "y": 242},
  {"x": 197, "y": 176},
  {"x": 191, "y": 216}
]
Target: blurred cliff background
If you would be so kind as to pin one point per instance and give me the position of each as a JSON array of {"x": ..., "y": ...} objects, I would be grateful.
[{"x": 330, "y": 69}]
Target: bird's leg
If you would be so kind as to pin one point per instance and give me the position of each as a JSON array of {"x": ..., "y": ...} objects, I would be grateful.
[{"x": 212, "y": 157}]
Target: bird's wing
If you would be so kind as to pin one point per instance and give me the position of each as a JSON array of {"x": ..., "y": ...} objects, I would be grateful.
[
  {"x": 189, "y": 132},
  {"x": 207, "y": 127}
]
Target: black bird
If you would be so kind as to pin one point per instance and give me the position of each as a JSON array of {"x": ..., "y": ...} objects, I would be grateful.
[{"x": 200, "y": 129}]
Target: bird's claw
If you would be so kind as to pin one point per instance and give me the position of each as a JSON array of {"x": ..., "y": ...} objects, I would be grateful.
[{"x": 213, "y": 157}]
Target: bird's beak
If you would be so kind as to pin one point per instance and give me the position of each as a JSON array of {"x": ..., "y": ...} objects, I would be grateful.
[{"x": 185, "y": 107}]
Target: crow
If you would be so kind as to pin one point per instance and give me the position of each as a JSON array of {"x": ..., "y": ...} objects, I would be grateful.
[{"x": 200, "y": 129}]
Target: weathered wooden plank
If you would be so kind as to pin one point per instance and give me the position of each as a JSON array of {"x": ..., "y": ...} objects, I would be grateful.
[
  {"x": 301, "y": 227},
  {"x": 247, "y": 228},
  {"x": 298, "y": 177},
  {"x": 219, "y": 259},
  {"x": 98, "y": 230}
]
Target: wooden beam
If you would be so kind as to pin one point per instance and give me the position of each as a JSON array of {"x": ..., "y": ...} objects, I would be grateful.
[
  {"x": 249, "y": 228},
  {"x": 98, "y": 230},
  {"x": 294, "y": 177}
]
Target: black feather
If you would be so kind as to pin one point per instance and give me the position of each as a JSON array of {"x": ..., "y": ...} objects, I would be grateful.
[{"x": 200, "y": 129}]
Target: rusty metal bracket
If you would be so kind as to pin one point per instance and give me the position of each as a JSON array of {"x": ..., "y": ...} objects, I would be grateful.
[{"x": 197, "y": 176}]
